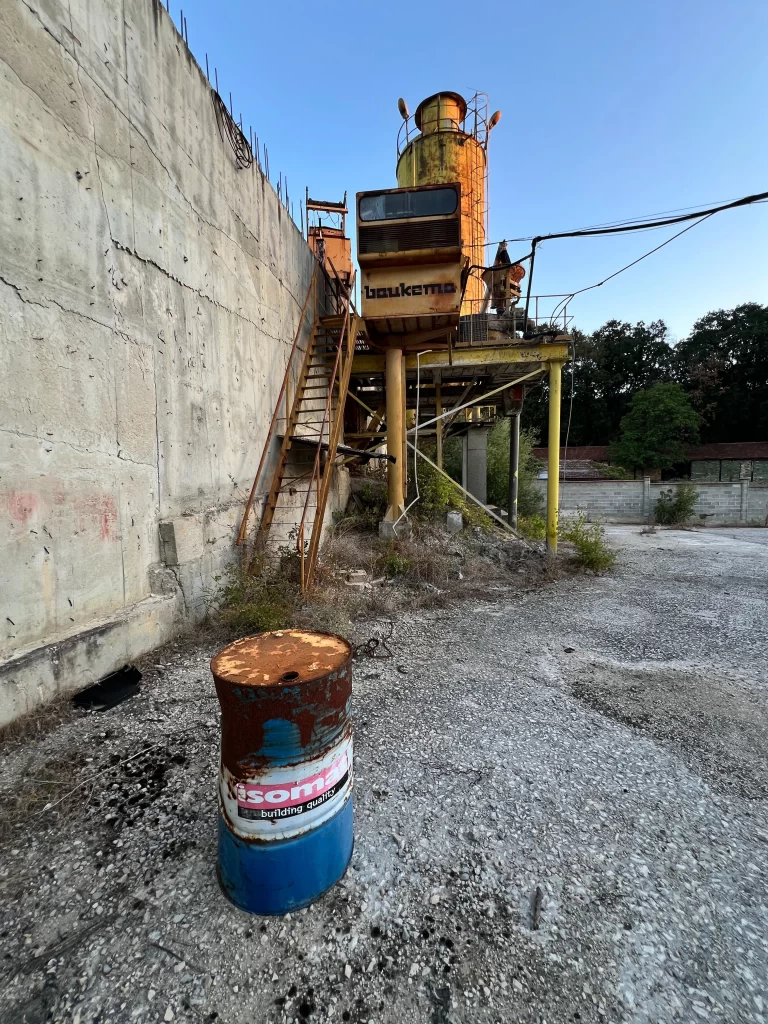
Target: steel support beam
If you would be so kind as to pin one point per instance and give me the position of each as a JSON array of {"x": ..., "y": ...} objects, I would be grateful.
[
  {"x": 395, "y": 434},
  {"x": 553, "y": 456},
  {"x": 370, "y": 363},
  {"x": 439, "y": 412},
  {"x": 514, "y": 467}
]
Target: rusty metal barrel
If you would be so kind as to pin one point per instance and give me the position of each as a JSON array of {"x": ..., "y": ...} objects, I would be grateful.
[{"x": 285, "y": 784}]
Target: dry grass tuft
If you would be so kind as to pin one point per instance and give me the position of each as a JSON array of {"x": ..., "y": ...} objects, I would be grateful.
[{"x": 37, "y": 723}]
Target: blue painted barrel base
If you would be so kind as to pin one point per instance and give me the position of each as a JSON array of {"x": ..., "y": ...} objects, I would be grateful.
[{"x": 281, "y": 876}]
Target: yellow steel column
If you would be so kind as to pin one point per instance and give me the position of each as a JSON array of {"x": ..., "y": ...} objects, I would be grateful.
[
  {"x": 553, "y": 456},
  {"x": 395, "y": 433},
  {"x": 405, "y": 427}
]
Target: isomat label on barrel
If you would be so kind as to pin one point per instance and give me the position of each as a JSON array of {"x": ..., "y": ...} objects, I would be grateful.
[
  {"x": 285, "y": 783},
  {"x": 287, "y": 801}
]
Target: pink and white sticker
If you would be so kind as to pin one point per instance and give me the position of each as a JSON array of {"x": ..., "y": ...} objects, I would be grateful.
[
  {"x": 293, "y": 797},
  {"x": 283, "y": 802}
]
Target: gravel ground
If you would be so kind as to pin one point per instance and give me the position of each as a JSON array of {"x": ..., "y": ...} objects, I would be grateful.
[{"x": 560, "y": 816}]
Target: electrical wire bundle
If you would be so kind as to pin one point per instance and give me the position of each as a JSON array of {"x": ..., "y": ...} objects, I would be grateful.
[{"x": 230, "y": 132}]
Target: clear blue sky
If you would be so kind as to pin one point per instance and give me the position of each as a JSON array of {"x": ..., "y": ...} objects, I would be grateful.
[{"x": 610, "y": 110}]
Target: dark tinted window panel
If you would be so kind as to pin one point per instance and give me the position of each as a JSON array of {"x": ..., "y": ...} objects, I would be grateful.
[
  {"x": 438, "y": 234},
  {"x": 433, "y": 202}
]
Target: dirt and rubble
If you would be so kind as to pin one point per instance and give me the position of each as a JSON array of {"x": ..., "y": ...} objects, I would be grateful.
[{"x": 561, "y": 815}]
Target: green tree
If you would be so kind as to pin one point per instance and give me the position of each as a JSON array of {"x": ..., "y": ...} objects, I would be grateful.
[
  {"x": 723, "y": 365},
  {"x": 529, "y": 498},
  {"x": 659, "y": 426},
  {"x": 609, "y": 367}
]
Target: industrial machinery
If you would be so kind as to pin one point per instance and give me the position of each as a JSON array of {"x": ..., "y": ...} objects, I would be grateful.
[
  {"x": 439, "y": 330},
  {"x": 427, "y": 287},
  {"x": 329, "y": 241},
  {"x": 411, "y": 261},
  {"x": 451, "y": 146}
]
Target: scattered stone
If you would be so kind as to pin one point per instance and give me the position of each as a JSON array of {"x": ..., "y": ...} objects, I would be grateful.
[{"x": 491, "y": 761}]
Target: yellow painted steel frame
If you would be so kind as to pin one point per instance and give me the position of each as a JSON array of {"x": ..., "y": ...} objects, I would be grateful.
[
  {"x": 395, "y": 398},
  {"x": 553, "y": 456},
  {"x": 500, "y": 356},
  {"x": 551, "y": 355}
]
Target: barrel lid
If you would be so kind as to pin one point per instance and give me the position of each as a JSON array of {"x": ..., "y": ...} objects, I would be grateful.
[{"x": 287, "y": 656}]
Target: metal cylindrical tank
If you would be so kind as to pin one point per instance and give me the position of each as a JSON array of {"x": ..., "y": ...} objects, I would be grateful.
[
  {"x": 443, "y": 153},
  {"x": 285, "y": 783}
]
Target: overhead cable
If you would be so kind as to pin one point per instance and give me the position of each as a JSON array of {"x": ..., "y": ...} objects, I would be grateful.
[
  {"x": 586, "y": 232},
  {"x": 583, "y": 232},
  {"x": 567, "y": 298},
  {"x": 638, "y": 224}
]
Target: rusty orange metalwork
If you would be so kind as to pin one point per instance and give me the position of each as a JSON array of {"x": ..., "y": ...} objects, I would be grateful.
[{"x": 444, "y": 152}]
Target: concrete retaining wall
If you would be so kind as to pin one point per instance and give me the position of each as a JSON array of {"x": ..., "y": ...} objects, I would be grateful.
[
  {"x": 633, "y": 501},
  {"x": 149, "y": 294}
]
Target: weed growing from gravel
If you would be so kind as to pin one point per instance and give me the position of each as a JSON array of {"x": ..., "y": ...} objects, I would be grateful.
[
  {"x": 394, "y": 564},
  {"x": 675, "y": 505},
  {"x": 532, "y": 527},
  {"x": 260, "y": 596},
  {"x": 589, "y": 541}
]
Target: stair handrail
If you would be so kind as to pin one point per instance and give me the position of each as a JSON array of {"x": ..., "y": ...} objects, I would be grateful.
[
  {"x": 326, "y": 416},
  {"x": 316, "y": 466},
  {"x": 241, "y": 533},
  {"x": 334, "y": 432}
]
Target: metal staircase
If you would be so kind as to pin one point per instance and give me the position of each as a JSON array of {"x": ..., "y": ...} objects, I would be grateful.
[{"x": 295, "y": 504}]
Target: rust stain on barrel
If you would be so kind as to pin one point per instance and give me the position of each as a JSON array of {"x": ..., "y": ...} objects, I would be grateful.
[{"x": 298, "y": 676}]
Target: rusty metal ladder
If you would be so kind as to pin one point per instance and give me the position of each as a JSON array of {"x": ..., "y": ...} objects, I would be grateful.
[{"x": 313, "y": 426}]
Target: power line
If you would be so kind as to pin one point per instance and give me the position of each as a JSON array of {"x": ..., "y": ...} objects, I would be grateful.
[
  {"x": 599, "y": 284},
  {"x": 661, "y": 213},
  {"x": 642, "y": 224},
  {"x": 586, "y": 232},
  {"x": 746, "y": 201}
]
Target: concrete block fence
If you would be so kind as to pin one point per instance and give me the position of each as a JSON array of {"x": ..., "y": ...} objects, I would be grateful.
[{"x": 634, "y": 501}]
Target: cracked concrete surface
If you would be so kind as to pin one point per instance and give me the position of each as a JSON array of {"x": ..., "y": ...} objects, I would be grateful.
[
  {"x": 561, "y": 815},
  {"x": 149, "y": 295}
]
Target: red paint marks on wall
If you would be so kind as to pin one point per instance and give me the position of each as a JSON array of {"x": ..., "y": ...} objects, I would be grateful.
[
  {"x": 93, "y": 511},
  {"x": 99, "y": 508},
  {"x": 22, "y": 505}
]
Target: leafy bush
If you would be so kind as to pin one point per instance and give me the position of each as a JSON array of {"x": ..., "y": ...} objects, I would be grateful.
[
  {"x": 608, "y": 472},
  {"x": 532, "y": 527},
  {"x": 589, "y": 540},
  {"x": 394, "y": 564},
  {"x": 262, "y": 596},
  {"x": 438, "y": 495},
  {"x": 366, "y": 508},
  {"x": 675, "y": 505},
  {"x": 530, "y": 500}
]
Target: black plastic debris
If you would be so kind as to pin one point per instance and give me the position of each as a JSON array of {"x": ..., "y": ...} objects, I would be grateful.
[{"x": 110, "y": 691}]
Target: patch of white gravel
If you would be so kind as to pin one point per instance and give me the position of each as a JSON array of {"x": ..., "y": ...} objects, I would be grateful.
[{"x": 561, "y": 815}]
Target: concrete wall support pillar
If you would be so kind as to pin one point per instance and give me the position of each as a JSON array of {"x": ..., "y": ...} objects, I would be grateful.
[
  {"x": 553, "y": 456},
  {"x": 647, "y": 510},
  {"x": 476, "y": 462},
  {"x": 395, "y": 433}
]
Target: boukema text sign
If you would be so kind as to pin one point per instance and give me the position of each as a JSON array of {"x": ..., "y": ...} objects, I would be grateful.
[{"x": 411, "y": 291}]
